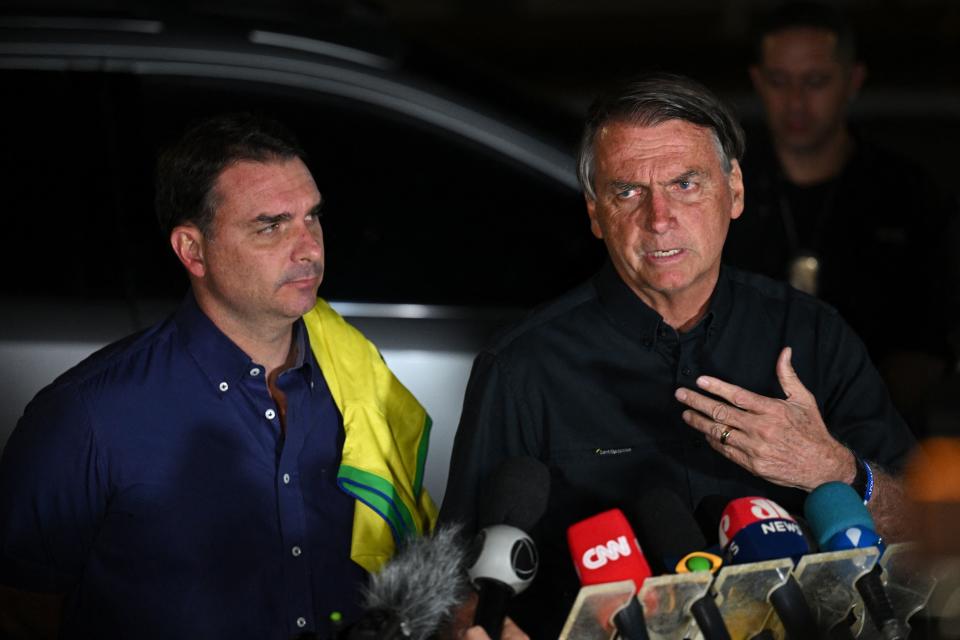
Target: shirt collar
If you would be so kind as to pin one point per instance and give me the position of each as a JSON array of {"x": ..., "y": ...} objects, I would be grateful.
[
  {"x": 636, "y": 319},
  {"x": 221, "y": 360}
]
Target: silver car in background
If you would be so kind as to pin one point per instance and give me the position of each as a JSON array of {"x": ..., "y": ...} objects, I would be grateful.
[{"x": 443, "y": 219}]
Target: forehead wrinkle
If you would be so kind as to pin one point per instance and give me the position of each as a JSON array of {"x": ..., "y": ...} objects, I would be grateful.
[{"x": 636, "y": 154}]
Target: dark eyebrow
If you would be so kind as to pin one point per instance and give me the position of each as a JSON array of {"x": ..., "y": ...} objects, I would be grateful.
[
  {"x": 619, "y": 185},
  {"x": 316, "y": 210},
  {"x": 686, "y": 175},
  {"x": 266, "y": 218}
]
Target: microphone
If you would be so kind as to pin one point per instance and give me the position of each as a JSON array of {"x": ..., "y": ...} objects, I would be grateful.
[
  {"x": 503, "y": 559},
  {"x": 669, "y": 531},
  {"x": 679, "y": 546},
  {"x": 840, "y": 521},
  {"x": 753, "y": 529},
  {"x": 708, "y": 513},
  {"x": 416, "y": 592},
  {"x": 604, "y": 549},
  {"x": 756, "y": 529}
]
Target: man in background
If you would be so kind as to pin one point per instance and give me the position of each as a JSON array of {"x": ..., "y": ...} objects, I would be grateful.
[{"x": 839, "y": 217}]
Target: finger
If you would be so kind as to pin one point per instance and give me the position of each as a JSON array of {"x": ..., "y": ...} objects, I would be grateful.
[
  {"x": 476, "y": 633},
  {"x": 512, "y": 632},
  {"x": 733, "y": 450},
  {"x": 713, "y": 409},
  {"x": 789, "y": 380},
  {"x": 737, "y": 396},
  {"x": 705, "y": 425},
  {"x": 738, "y": 446}
]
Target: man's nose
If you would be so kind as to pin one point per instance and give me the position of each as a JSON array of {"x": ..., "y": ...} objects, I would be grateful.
[
  {"x": 796, "y": 95},
  {"x": 659, "y": 218},
  {"x": 309, "y": 243}
]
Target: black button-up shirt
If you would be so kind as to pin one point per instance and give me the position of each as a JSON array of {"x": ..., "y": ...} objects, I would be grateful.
[
  {"x": 869, "y": 239},
  {"x": 586, "y": 384}
]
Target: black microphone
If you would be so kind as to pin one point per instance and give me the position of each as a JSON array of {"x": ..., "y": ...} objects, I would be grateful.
[
  {"x": 416, "y": 592},
  {"x": 708, "y": 513},
  {"x": 503, "y": 558},
  {"x": 669, "y": 532}
]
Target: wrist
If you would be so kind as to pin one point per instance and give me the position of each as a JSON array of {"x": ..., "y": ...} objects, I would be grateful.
[
  {"x": 838, "y": 465},
  {"x": 863, "y": 480},
  {"x": 851, "y": 469}
]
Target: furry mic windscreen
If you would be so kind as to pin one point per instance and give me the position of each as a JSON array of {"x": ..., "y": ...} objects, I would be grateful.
[{"x": 424, "y": 583}]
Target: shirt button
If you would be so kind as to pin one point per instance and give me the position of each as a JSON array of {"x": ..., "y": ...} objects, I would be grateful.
[
  {"x": 224, "y": 386},
  {"x": 301, "y": 622},
  {"x": 255, "y": 371},
  {"x": 296, "y": 552},
  {"x": 686, "y": 371},
  {"x": 286, "y": 478},
  {"x": 270, "y": 414}
]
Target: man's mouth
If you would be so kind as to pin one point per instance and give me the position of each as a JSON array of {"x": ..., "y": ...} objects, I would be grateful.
[
  {"x": 664, "y": 253},
  {"x": 303, "y": 278}
]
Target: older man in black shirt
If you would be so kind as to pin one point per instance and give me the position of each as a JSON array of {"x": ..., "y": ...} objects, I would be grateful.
[{"x": 605, "y": 383}]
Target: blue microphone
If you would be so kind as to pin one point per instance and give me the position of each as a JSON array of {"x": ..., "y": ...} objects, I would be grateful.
[{"x": 840, "y": 521}]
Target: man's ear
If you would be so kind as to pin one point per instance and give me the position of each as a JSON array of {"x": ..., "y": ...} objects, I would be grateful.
[
  {"x": 188, "y": 243},
  {"x": 592, "y": 212},
  {"x": 736, "y": 189},
  {"x": 858, "y": 75}
]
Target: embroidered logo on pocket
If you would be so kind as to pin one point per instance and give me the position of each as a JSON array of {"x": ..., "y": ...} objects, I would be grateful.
[{"x": 613, "y": 452}]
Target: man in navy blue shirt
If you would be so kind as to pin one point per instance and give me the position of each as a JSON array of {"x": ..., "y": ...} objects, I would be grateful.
[{"x": 182, "y": 483}]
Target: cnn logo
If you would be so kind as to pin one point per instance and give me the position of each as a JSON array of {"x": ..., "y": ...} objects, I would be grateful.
[{"x": 598, "y": 556}]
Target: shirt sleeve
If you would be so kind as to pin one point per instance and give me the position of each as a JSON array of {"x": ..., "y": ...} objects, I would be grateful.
[
  {"x": 52, "y": 494},
  {"x": 494, "y": 425},
  {"x": 858, "y": 408}
]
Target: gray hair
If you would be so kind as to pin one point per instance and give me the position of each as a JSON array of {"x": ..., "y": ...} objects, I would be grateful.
[{"x": 651, "y": 100}]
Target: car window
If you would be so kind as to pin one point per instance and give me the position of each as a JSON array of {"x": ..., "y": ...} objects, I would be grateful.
[{"x": 412, "y": 213}]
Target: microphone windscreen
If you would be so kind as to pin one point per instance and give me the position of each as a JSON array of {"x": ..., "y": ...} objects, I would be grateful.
[
  {"x": 516, "y": 494},
  {"x": 505, "y": 555},
  {"x": 605, "y": 549},
  {"x": 754, "y": 529},
  {"x": 708, "y": 514},
  {"x": 668, "y": 530},
  {"x": 835, "y": 507},
  {"x": 741, "y": 512},
  {"x": 422, "y": 585},
  {"x": 807, "y": 532}
]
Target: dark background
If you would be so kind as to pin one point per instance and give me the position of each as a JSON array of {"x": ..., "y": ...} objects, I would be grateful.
[
  {"x": 547, "y": 58},
  {"x": 564, "y": 51}
]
